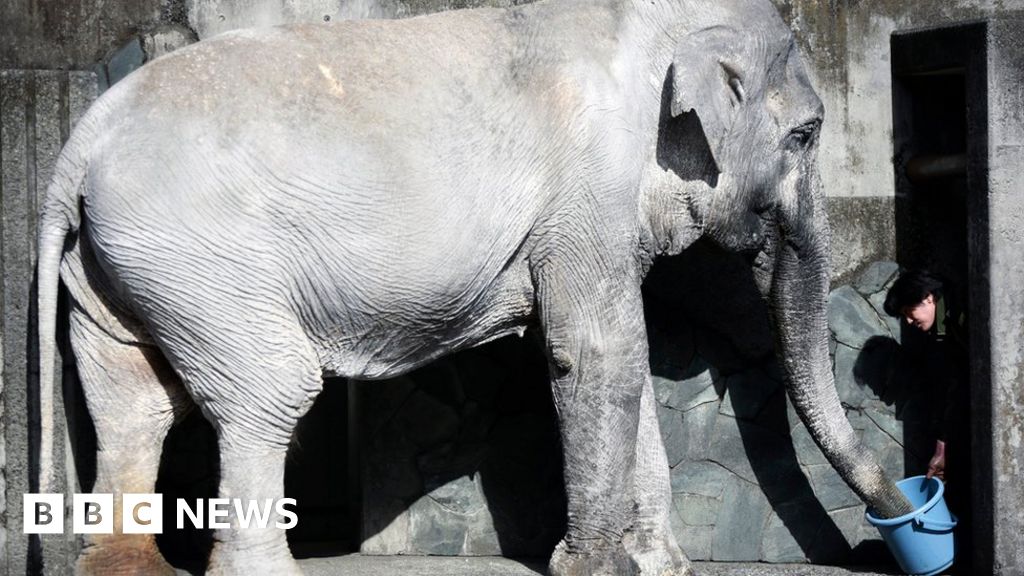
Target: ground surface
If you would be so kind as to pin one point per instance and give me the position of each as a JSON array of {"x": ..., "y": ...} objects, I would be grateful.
[{"x": 356, "y": 565}]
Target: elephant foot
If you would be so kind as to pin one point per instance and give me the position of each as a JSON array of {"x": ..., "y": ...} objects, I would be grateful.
[
  {"x": 657, "y": 555},
  {"x": 125, "y": 556},
  {"x": 228, "y": 560},
  {"x": 592, "y": 560}
]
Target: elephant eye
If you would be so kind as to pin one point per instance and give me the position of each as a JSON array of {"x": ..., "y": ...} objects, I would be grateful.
[
  {"x": 803, "y": 135},
  {"x": 733, "y": 77},
  {"x": 737, "y": 89}
]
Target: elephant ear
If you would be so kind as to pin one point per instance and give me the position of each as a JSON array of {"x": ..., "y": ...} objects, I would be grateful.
[{"x": 705, "y": 80}]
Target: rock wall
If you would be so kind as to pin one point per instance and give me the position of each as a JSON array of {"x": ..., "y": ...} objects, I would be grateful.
[
  {"x": 463, "y": 457},
  {"x": 748, "y": 482}
]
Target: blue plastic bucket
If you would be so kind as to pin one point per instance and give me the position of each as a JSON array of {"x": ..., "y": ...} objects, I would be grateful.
[{"x": 921, "y": 541}]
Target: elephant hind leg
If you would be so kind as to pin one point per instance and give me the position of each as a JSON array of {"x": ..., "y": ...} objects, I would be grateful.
[{"x": 133, "y": 397}]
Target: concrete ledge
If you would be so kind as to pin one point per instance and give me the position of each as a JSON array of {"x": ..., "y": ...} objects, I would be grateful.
[
  {"x": 752, "y": 569},
  {"x": 357, "y": 565}
]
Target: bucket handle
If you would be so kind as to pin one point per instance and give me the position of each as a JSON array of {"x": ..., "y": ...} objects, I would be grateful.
[{"x": 935, "y": 525}]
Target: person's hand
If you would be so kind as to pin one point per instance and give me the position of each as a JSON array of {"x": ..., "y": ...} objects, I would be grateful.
[{"x": 937, "y": 465}]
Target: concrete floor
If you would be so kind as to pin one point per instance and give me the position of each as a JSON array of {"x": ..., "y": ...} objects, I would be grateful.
[{"x": 356, "y": 565}]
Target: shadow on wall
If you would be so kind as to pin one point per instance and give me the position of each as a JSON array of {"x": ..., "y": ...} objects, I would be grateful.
[
  {"x": 749, "y": 483},
  {"x": 739, "y": 489},
  {"x": 463, "y": 457},
  {"x": 893, "y": 373}
]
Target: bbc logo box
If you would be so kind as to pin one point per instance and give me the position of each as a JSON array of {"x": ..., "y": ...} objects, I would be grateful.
[
  {"x": 93, "y": 513},
  {"x": 143, "y": 513}
]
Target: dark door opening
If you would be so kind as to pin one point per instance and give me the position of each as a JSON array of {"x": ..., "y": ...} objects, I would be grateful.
[
  {"x": 939, "y": 131},
  {"x": 317, "y": 475}
]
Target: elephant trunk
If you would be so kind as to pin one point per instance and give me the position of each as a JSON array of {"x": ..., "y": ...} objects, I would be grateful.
[{"x": 798, "y": 297}]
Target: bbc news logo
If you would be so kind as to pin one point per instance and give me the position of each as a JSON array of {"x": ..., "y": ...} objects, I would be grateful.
[{"x": 144, "y": 513}]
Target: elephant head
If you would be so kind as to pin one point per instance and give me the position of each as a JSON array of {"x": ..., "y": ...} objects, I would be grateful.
[{"x": 744, "y": 86}]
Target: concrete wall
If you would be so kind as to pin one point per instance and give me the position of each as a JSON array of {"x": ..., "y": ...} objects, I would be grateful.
[
  {"x": 846, "y": 43},
  {"x": 58, "y": 34},
  {"x": 846, "y": 46},
  {"x": 37, "y": 109},
  {"x": 1006, "y": 266}
]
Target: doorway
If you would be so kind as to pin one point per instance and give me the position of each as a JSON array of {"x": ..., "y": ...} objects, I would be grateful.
[{"x": 940, "y": 124}]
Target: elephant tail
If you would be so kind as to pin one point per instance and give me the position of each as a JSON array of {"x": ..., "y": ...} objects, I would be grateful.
[{"x": 59, "y": 215}]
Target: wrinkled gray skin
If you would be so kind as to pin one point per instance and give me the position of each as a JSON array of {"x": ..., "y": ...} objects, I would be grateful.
[{"x": 359, "y": 198}]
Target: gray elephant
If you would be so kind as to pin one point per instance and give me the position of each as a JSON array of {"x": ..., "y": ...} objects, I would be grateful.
[{"x": 244, "y": 215}]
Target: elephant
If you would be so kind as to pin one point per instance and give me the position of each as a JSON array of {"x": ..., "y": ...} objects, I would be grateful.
[{"x": 240, "y": 217}]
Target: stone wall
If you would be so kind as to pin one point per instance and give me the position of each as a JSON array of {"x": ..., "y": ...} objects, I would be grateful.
[
  {"x": 463, "y": 457},
  {"x": 748, "y": 482}
]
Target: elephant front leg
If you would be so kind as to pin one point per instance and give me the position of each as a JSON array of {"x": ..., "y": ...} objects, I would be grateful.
[
  {"x": 594, "y": 332},
  {"x": 650, "y": 541}
]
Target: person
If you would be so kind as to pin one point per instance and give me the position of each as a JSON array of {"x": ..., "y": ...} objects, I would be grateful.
[
  {"x": 931, "y": 306},
  {"x": 925, "y": 302}
]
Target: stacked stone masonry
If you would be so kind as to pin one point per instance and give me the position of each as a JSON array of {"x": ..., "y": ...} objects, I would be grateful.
[{"x": 748, "y": 482}]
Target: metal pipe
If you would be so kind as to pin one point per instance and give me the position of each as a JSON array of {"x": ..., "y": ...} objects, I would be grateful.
[{"x": 933, "y": 167}]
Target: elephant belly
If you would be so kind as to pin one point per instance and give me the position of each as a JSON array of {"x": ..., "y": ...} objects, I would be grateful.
[{"x": 394, "y": 341}]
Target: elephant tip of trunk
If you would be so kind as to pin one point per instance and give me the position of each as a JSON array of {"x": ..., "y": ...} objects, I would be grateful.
[{"x": 889, "y": 501}]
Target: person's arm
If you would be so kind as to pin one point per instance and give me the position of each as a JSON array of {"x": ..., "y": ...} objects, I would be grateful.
[
  {"x": 955, "y": 382},
  {"x": 937, "y": 465}
]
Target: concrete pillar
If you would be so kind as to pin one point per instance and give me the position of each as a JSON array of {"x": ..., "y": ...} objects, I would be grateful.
[
  {"x": 1006, "y": 288},
  {"x": 37, "y": 110}
]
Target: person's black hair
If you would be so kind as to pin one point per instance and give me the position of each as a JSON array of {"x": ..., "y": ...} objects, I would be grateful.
[{"x": 910, "y": 289}]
